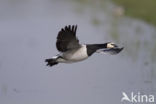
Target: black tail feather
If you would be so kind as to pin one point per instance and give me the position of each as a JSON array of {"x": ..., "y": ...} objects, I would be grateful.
[{"x": 51, "y": 62}]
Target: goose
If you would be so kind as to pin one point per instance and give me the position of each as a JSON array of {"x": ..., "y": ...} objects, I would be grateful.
[{"x": 72, "y": 51}]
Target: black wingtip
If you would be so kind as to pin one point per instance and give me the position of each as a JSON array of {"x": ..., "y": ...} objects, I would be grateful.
[
  {"x": 72, "y": 28},
  {"x": 113, "y": 51},
  {"x": 120, "y": 49}
]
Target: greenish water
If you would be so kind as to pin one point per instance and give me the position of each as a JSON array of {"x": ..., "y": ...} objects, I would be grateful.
[{"x": 141, "y": 9}]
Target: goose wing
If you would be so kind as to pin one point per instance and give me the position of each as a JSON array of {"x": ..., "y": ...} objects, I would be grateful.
[{"x": 67, "y": 39}]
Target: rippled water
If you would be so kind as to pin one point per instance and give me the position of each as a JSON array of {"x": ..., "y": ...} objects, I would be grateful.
[{"x": 28, "y": 35}]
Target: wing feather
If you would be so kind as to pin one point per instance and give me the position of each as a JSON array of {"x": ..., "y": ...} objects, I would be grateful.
[{"x": 67, "y": 39}]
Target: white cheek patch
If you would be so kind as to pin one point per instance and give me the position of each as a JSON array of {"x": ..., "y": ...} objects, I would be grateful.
[{"x": 110, "y": 45}]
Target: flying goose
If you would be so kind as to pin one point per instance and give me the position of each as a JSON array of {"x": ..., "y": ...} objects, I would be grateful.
[{"x": 72, "y": 51}]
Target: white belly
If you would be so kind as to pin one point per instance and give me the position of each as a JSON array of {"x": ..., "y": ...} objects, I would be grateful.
[{"x": 76, "y": 55}]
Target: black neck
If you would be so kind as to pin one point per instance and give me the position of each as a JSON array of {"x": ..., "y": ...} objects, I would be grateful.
[{"x": 91, "y": 48}]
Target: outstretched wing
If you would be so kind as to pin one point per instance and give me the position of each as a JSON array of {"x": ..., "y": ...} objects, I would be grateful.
[{"x": 67, "y": 39}]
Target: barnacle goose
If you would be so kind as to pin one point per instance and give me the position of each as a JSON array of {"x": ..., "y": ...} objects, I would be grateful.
[{"x": 72, "y": 51}]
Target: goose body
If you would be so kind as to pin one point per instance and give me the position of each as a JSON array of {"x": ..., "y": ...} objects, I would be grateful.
[
  {"x": 71, "y": 51},
  {"x": 76, "y": 54}
]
